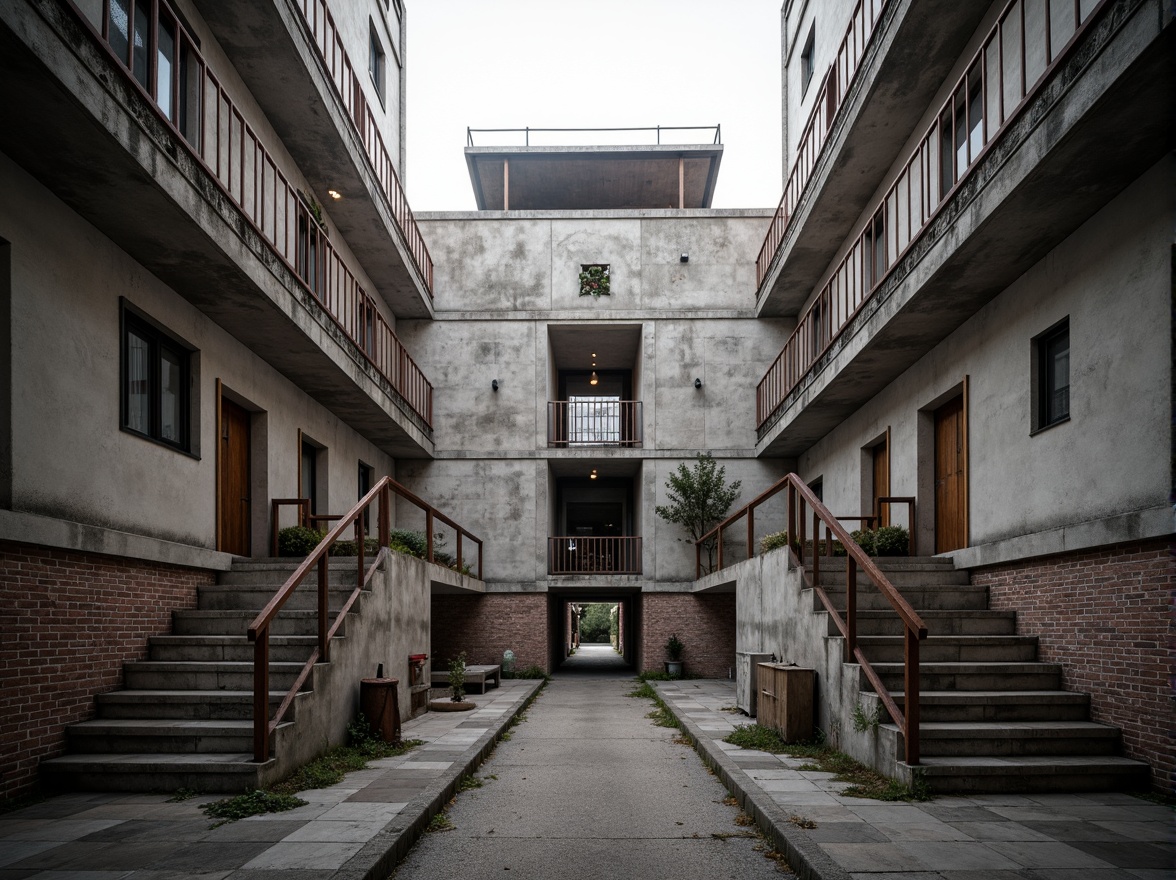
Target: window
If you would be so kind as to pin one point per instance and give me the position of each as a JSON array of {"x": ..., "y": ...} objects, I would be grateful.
[
  {"x": 376, "y": 62},
  {"x": 308, "y": 474},
  {"x": 155, "y": 383},
  {"x": 808, "y": 60},
  {"x": 1053, "y": 376}
]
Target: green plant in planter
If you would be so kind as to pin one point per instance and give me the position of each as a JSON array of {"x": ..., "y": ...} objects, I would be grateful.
[
  {"x": 349, "y": 548},
  {"x": 298, "y": 541},
  {"x": 773, "y": 541},
  {"x": 457, "y": 677},
  {"x": 674, "y": 648},
  {"x": 594, "y": 281},
  {"x": 892, "y": 541},
  {"x": 408, "y": 542}
]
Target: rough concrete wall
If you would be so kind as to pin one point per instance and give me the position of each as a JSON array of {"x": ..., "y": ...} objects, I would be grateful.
[
  {"x": 704, "y": 623},
  {"x": 66, "y": 282},
  {"x": 70, "y": 622},
  {"x": 829, "y": 21},
  {"x": 1118, "y": 435},
  {"x": 486, "y": 625},
  {"x": 393, "y": 622},
  {"x": 776, "y": 614},
  {"x": 1105, "y": 616}
]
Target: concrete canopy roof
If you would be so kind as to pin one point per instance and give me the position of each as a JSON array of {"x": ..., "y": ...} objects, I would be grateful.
[{"x": 593, "y": 177}]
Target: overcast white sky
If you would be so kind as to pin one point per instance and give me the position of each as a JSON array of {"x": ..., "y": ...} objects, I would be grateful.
[{"x": 563, "y": 64}]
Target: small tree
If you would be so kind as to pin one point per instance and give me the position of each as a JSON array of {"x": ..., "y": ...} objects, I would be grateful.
[
  {"x": 457, "y": 678},
  {"x": 699, "y": 500}
]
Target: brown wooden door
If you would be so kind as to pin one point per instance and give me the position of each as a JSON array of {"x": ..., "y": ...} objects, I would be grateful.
[
  {"x": 234, "y": 479},
  {"x": 951, "y": 477},
  {"x": 881, "y": 454}
]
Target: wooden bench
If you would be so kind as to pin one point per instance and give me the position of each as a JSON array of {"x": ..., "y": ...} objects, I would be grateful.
[{"x": 474, "y": 674}]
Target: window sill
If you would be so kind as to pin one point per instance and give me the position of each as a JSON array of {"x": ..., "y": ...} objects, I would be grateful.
[
  {"x": 1045, "y": 428},
  {"x": 178, "y": 450}
]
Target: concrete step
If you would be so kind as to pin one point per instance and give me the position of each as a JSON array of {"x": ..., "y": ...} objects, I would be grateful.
[
  {"x": 275, "y": 572},
  {"x": 885, "y": 622},
  {"x": 972, "y": 676},
  {"x": 193, "y": 676},
  {"x": 222, "y": 597},
  {"x": 996, "y": 706},
  {"x": 931, "y": 597},
  {"x": 160, "y": 736},
  {"x": 221, "y": 773},
  {"x": 900, "y": 578},
  {"x": 199, "y": 705},
  {"x": 952, "y": 649},
  {"x": 211, "y": 648},
  {"x": 1014, "y": 738},
  {"x": 236, "y": 621},
  {"x": 1072, "y": 773}
]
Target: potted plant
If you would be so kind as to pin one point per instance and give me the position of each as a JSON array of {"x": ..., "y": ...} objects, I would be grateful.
[
  {"x": 674, "y": 649},
  {"x": 594, "y": 281}
]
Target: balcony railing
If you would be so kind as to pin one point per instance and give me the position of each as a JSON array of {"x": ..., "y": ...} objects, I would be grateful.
[
  {"x": 594, "y": 421},
  {"x": 1010, "y": 66},
  {"x": 334, "y": 57},
  {"x": 160, "y": 58},
  {"x": 591, "y": 555},
  {"x": 828, "y": 102}
]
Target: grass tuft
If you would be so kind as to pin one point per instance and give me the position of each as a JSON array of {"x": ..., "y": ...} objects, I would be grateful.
[
  {"x": 864, "y": 782},
  {"x": 252, "y": 803}
]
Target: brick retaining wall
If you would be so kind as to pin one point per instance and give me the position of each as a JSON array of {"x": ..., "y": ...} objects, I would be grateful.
[
  {"x": 1104, "y": 615},
  {"x": 704, "y": 622},
  {"x": 68, "y": 622},
  {"x": 486, "y": 625}
]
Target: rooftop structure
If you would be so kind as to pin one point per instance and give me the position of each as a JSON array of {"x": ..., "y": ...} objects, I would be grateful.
[{"x": 593, "y": 177}]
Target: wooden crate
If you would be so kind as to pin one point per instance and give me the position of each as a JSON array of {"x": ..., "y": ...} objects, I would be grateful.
[{"x": 785, "y": 700}]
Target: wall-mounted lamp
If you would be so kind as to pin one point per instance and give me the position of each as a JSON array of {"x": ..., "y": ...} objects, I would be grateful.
[
  {"x": 593, "y": 379},
  {"x": 685, "y": 258},
  {"x": 592, "y": 476},
  {"x": 493, "y": 384},
  {"x": 697, "y": 384}
]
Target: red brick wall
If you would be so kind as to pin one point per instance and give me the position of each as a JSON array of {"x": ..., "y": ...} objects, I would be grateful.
[
  {"x": 484, "y": 626},
  {"x": 704, "y": 623},
  {"x": 1106, "y": 616},
  {"x": 67, "y": 622}
]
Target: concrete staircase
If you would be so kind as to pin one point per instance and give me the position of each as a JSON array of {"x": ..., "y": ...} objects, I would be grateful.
[
  {"x": 994, "y": 718},
  {"x": 184, "y": 719}
]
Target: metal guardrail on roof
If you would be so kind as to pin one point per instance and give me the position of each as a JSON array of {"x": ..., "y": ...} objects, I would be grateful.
[{"x": 657, "y": 129}]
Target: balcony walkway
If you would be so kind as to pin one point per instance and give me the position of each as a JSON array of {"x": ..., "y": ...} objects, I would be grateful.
[{"x": 588, "y": 787}]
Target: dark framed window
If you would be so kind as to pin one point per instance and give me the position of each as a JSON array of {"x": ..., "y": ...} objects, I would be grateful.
[
  {"x": 155, "y": 378},
  {"x": 376, "y": 62},
  {"x": 309, "y": 474},
  {"x": 808, "y": 59},
  {"x": 1053, "y": 375},
  {"x": 366, "y": 481}
]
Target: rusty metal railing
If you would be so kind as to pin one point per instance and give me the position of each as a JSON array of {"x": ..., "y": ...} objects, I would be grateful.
[
  {"x": 325, "y": 37},
  {"x": 982, "y": 105},
  {"x": 577, "y": 554},
  {"x": 828, "y": 102},
  {"x": 800, "y": 497},
  {"x": 594, "y": 422},
  {"x": 319, "y": 561}
]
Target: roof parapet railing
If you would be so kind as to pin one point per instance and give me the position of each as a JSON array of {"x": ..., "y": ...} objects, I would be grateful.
[{"x": 527, "y": 130}]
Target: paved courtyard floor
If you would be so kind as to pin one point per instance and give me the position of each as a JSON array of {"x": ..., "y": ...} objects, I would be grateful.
[
  {"x": 1098, "y": 836},
  {"x": 589, "y": 787}
]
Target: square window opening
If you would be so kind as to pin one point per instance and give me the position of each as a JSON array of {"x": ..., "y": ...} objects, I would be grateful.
[
  {"x": 1052, "y": 380},
  {"x": 155, "y": 384},
  {"x": 808, "y": 60}
]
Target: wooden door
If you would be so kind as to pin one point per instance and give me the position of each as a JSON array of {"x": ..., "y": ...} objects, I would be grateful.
[
  {"x": 233, "y": 491},
  {"x": 881, "y": 456},
  {"x": 951, "y": 477}
]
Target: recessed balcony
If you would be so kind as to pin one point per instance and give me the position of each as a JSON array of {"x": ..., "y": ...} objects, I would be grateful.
[
  {"x": 593, "y": 555},
  {"x": 594, "y": 422}
]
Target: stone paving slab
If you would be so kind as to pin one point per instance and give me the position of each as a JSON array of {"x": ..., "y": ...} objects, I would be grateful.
[
  {"x": 1096, "y": 836},
  {"x": 357, "y": 829}
]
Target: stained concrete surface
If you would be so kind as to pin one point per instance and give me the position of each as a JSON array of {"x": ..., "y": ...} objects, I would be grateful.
[{"x": 589, "y": 787}]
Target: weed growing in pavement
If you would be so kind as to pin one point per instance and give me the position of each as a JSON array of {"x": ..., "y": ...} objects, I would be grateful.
[
  {"x": 331, "y": 767},
  {"x": 801, "y": 821},
  {"x": 253, "y": 803},
  {"x": 864, "y": 719},
  {"x": 865, "y": 783},
  {"x": 440, "y": 822},
  {"x": 469, "y": 782},
  {"x": 182, "y": 794}
]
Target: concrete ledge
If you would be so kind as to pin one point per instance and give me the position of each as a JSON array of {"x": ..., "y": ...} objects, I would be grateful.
[
  {"x": 1138, "y": 525},
  {"x": 805, "y": 857},
  {"x": 383, "y": 853},
  {"x": 31, "y": 528}
]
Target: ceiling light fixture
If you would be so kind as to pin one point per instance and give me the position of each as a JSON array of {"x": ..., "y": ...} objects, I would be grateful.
[
  {"x": 335, "y": 194},
  {"x": 592, "y": 476},
  {"x": 593, "y": 379}
]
